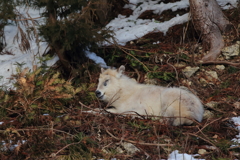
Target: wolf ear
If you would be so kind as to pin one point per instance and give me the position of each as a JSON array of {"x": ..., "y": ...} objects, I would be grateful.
[
  {"x": 121, "y": 69},
  {"x": 102, "y": 70}
]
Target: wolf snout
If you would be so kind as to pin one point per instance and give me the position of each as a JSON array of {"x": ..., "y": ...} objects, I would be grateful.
[{"x": 98, "y": 93}]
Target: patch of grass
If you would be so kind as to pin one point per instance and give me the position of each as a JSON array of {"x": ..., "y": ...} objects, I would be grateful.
[
  {"x": 166, "y": 76},
  {"x": 232, "y": 69},
  {"x": 139, "y": 125}
]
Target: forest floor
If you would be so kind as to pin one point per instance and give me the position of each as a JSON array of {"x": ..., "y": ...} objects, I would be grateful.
[{"x": 70, "y": 133}]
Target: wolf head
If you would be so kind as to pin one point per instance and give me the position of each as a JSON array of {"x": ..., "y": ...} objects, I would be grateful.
[{"x": 108, "y": 85}]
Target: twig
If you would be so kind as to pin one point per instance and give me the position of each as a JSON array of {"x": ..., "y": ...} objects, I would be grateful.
[
  {"x": 220, "y": 62},
  {"x": 25, "y": 19},
  {"x": 234, "y": 147},
  {"x": 136, "y": 142},
  {"x": 135, "y": 59},
  {"x": 203, "y": 139},
  {"x": 84, "y": 105},
  {"x": 54, "y": 154},
  {"x": 216, "y": 109},
  {"x": 173, "y": 68},
  {"x": 200, "y": 130},
  {"x": 138, "y": 78},
  {"x": 2, "y": 131}
]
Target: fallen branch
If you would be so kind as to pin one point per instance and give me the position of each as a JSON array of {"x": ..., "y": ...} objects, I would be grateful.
[
  {"x": 135, "y": 58},
  {"x": 219, "y": 62},
  {"x": 55, "y": 154},
  {"x": 136, "y": 142},
  {"x": 200, "y": 130},
  {"x": 40, "y": 129},
  {"x": 203, "y": 139}
]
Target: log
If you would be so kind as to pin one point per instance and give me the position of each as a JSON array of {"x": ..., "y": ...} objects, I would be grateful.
[{"x": 209, "y": 20}]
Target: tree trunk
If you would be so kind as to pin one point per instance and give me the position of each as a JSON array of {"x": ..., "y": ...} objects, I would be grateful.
[
  {"x": 210, "y": 22},
  {"x": 52, "y": 20}
]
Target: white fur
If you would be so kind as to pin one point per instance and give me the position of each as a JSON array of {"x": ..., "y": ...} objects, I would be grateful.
[{"x": 126, "y": 95}]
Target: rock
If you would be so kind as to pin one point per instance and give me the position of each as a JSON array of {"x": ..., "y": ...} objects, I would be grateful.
[
  {"x": 203, "y": 82},
  {"x": 236, "y": 105},
  {"x": 212, "y": 104},
  {"x": 189, "y": 71},
  {"x": 211, "y": 75},
  {"x": 181, "y": 64},
  {"x": 230, "y": 51},
  {"x": 202, "y": 151},
  {"x": 130, "y": 148},
  {"x": 215, "y": 136},
  {"x": 187, "y": 82},
  {"x": 208, "y": 114},
  {"x": 220, "y": 67},
  {"x": 149, "y": 81},
  {"x": 119, "y": 150}
]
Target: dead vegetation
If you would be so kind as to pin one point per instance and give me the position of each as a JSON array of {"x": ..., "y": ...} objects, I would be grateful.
[{"x": 44, "y": 116}]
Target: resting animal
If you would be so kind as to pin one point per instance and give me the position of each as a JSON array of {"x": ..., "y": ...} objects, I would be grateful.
[{"x": 126, "y": 95}]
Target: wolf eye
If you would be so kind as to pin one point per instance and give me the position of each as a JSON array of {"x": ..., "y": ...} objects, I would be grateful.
[{"x": 105, "y": 83}]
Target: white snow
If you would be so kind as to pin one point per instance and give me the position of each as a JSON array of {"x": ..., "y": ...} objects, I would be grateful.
[
  {"x": 27, "y": 59},
  {"x": 175, "y": 155},
  {"x": 236, "y": 121},
  {"x": 98, "y": 60},
  {"x": 5, "y": 147},
  {"x": 130, "y": 28}
]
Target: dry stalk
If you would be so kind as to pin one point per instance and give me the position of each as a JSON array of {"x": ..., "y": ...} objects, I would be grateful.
[
  {"x": 135, "y": 58},
  {"x": 55, "y": 154},
  {"x": 25, "y": 19},
  {"x": 40, "y": 129},
  {"x": 138, "y": 75},
  {"x": 203, "y": 139},
  {"x": 200, "y": 130},
  {"x": 220, "y": 62},
  {"x": 136, "y": 142},
  {"x": 173, "y": 68}
]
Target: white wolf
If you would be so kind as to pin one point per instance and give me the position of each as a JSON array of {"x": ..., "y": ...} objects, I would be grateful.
[{"x": 126, "y": 95}]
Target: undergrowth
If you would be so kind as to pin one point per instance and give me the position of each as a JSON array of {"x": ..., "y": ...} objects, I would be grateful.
[{"x": 44, "y": 116}]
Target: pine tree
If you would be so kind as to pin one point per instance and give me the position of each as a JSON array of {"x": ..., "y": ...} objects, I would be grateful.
[
  {"x": 6, "y": 14},
  {"x": 70, "y": 29}
]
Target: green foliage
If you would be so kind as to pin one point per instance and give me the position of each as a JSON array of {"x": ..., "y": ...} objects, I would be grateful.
[
  {"x": 167, "y": 76},
  {"x": 224, "y": 145},
  {"x": 232, "y": 69},
  {"x": 225, "y": 84},
  {"x": 184, "y": 56},
  {"x": 112, "y": 58},
  {"x": 7, "y": 12},
  {"x": 78, "y": 147},
  {"x": 38, "y": 92},
  {"x": 70, "y": 29},
  {"x": 139, "y": 125}
]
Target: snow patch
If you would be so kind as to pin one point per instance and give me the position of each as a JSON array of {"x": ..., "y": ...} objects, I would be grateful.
[
  {"x": 236, "y": 121},
  {"x": 175, "y": 155},
  {"x": 98, "y": 60},
  {"x": 130, "y": 28}
]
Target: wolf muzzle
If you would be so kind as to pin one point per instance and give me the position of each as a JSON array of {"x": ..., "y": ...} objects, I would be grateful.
[{"x": 98, "y": 93}]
